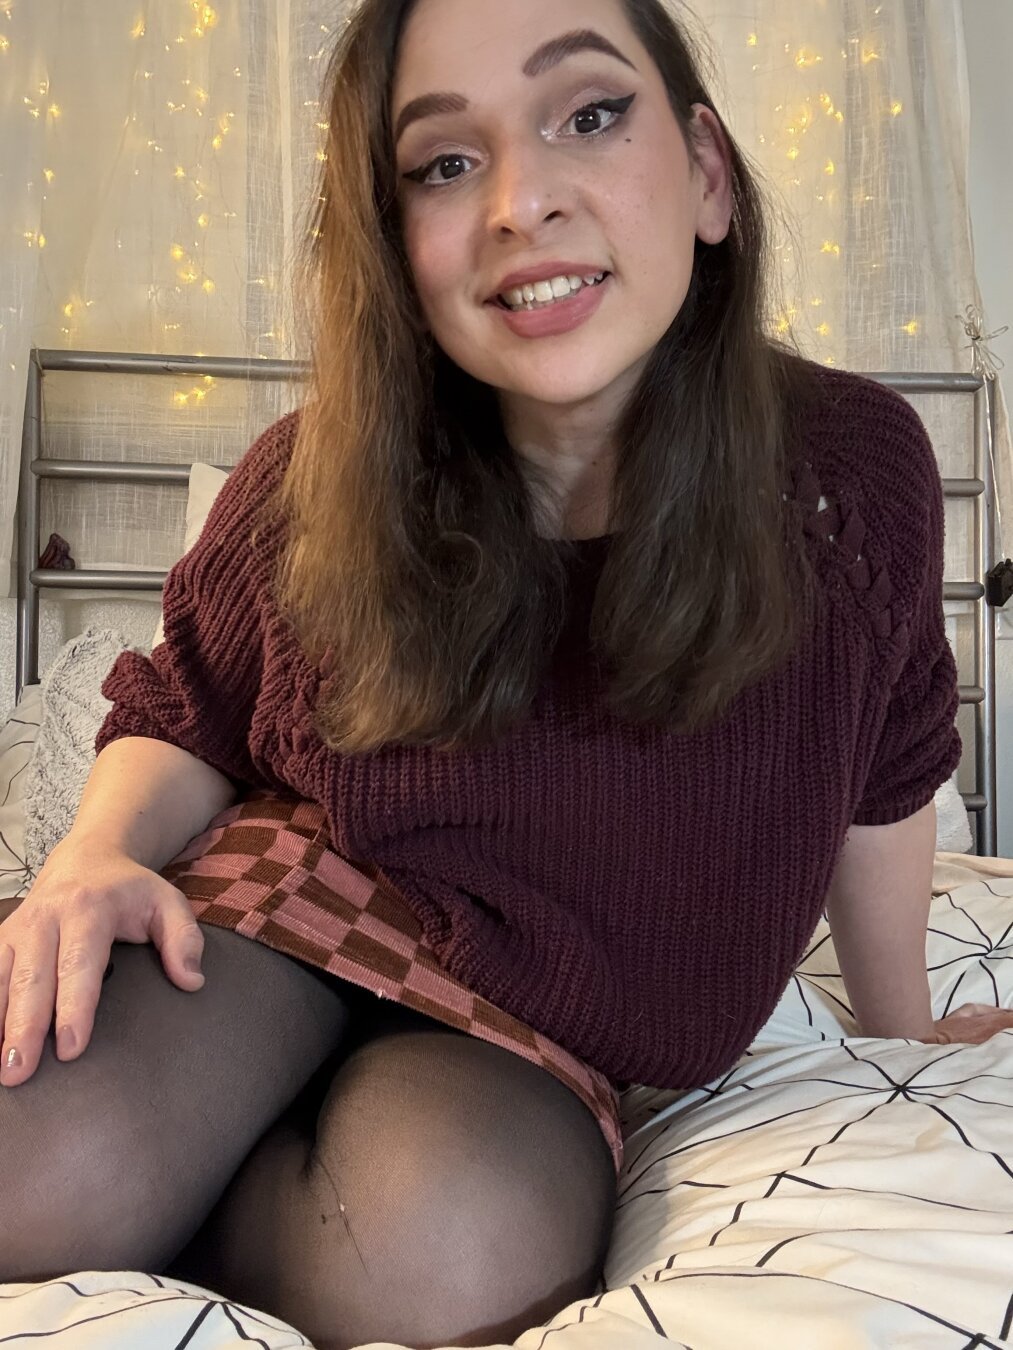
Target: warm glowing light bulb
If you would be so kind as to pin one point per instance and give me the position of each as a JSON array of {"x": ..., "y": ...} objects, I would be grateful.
[
  {"x": 208, "y": 286},
  {"x": 54, "y": 110},
  {"x": 216, "y": 141},
  {"x": 911, "y": 328},
  {"x": 49, "y": 175},
  {"x": 5, "y": 45},
  {"x": 896, "y": 108},
  {"x": 751, "y": 40},
  {"x": 203, "y": 220},
  {"x": 138, "y": 29},
  {"x": 177, "y": 252}
]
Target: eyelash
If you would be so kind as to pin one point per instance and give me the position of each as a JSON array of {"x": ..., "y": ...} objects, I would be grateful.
[{"x": 618, "y": 106}]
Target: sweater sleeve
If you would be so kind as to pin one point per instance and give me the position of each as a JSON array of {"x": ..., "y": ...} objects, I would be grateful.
[
  {"x": 919, "y": 745},
  {"x": 199, "y": 687}
]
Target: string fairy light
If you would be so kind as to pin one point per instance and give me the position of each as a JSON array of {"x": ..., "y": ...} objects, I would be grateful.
[{"x": 193, "y": 98}]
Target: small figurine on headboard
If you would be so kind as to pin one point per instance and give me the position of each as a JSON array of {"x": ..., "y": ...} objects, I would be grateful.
[{"x": 57, "y": 555}]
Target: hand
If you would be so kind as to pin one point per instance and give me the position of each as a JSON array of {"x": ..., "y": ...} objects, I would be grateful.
[
  {"x": 971, "y": 1024},
  {"x": 55, "y": 947}
]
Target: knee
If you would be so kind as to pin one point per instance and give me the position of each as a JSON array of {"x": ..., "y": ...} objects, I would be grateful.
[
  {"x": 79, "y": 1191},
  {"x": 469, "y": 1185}
]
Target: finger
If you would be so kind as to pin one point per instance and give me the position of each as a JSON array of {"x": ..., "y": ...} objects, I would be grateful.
[
  {"x": 30, "y": 1004},
  {"x": 177, "y": 935},
  {"x": 6, "y": 966},
  {"x": 80, "y": 966}
]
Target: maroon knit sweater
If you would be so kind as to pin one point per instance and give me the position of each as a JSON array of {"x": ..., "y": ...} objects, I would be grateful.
[{"x": 640, "y": 897}]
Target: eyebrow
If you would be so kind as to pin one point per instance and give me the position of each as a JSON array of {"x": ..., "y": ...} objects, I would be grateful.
[{"x": 548, "y": 55}]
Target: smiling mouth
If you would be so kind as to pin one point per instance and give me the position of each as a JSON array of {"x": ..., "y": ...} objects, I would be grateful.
[{"x": 533, "y": 305}]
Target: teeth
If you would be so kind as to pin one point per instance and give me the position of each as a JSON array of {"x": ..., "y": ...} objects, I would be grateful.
[{"x": 546, "y": 292}]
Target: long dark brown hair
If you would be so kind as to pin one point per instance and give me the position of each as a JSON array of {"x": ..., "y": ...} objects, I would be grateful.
[{"x": 411, "y": 548}]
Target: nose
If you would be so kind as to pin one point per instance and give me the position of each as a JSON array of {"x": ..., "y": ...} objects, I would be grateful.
[{"x": 525, "y": 190}]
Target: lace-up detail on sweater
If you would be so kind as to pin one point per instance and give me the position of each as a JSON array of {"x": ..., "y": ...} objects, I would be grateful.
[{"x": 845, "y": 531}]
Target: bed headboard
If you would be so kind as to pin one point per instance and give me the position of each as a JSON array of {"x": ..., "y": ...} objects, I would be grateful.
[{"x": 981, "y": 803}]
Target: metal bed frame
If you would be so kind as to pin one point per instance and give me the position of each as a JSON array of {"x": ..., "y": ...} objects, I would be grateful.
[{"x": 32, "y": 579}]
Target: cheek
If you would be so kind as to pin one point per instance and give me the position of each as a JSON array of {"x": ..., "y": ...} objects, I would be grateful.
[
  {"x": 436, "y": 256},
  {"x": 656, "y": 209}
]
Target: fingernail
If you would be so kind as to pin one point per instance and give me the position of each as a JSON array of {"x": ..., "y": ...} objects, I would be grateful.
[
  {"x": 66, "y": 1041},
  {"x": 13, "y": 1061},
  {"x": 192, "y": 964}
]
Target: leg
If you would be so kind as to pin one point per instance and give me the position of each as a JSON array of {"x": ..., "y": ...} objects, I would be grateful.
[
  {"x": 112, "y": 1161},
  {"x": 448, "y": 1192}
]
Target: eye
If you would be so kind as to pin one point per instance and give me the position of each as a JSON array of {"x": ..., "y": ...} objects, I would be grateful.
[
  {"x": 615, "y": 107},
  {"x": 422, "y": 175},
  {"x": 618, "y": 107}
]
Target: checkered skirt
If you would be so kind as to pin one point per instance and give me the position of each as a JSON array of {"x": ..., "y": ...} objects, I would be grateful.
[{"x": 265, "y": 868}]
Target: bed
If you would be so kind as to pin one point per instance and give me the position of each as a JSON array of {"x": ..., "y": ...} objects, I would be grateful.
[{"x": 857, "y": 1190}]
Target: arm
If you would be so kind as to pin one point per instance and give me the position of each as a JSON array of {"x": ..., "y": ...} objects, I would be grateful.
[
  {"x": 198, "y": 689},
  {"x": 877, "y": 908},
  {"x": 147, "y": 798}
]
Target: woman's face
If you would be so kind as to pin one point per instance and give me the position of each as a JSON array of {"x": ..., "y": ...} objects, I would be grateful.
[{"x": 523, "y": 175}]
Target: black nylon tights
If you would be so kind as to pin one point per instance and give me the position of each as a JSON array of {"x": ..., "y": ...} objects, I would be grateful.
[{"x": 217, "y": 1135}]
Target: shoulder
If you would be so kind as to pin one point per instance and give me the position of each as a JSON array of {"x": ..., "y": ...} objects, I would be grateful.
[
  {"x": 868, "y": 438},
  {"x": 250, "y": 488},
  {"x": 262, "y": 467},
  {"x": 869, "y": 451},
  {"x": 872, "y": 494}
]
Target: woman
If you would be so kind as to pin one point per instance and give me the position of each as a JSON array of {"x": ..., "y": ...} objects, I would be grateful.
[{"x": 585, "y": 618}]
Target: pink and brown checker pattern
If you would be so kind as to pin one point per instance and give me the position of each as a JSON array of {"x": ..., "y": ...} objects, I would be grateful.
[{"x": 265, "y": 868}]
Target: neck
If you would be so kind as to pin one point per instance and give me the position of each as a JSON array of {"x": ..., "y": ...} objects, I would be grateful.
[{"x": 571, "y": 452}]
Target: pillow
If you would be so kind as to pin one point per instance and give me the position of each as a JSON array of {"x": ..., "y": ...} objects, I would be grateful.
[
  {"x": 17, "y": 737},
  {"x": 953, "y": 829},
  {"x": 205, "y": 484},
  {"x": 73, "y": 709}
]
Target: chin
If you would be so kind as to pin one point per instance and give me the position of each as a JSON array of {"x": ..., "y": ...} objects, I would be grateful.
[{"x": 556, "y": 382}]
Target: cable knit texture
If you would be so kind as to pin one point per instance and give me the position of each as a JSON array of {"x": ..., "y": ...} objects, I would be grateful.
[{"x": 640, "y": 897}]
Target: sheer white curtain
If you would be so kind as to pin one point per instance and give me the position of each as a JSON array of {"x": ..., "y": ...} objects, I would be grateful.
[{"x": 157, "y": 162}]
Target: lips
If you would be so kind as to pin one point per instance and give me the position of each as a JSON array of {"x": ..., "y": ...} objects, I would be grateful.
[{"x": 543, "y": 272}]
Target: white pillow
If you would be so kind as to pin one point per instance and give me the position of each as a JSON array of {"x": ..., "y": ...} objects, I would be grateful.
[
  {"x": 73, "y": 709},
  {"x": 17, "y": 737},
  {"x": 953, "y": 828},
  {"x": 206, "y": 482}
]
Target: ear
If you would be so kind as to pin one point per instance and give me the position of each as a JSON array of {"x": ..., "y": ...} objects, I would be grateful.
[{"x": 713, "y": 171}]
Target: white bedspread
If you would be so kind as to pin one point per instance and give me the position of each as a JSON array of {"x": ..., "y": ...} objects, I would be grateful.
[{"x": 830, "y": 1193}]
